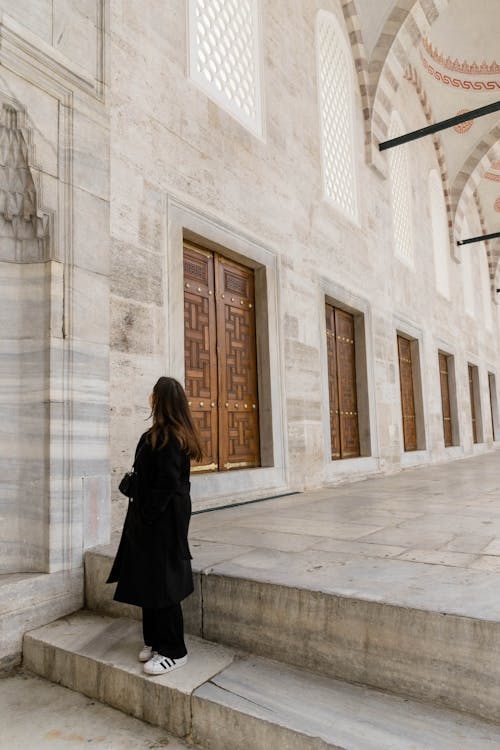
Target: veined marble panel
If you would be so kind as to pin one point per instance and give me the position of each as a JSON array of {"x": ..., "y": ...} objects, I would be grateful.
[
  {"x": 47, "y": 523},
  {"x": 79, "y": 463},
  {"x": 23, "y": 417},
  {"x": 30, "y": 600}
]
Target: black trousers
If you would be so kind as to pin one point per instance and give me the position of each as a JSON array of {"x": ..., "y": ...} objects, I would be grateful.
[{"x": 163, "y": 630}]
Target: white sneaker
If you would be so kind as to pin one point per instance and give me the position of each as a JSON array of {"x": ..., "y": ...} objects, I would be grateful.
[
  {"x": 146, "y": 653},
  {"x": 163, "y": 664}
]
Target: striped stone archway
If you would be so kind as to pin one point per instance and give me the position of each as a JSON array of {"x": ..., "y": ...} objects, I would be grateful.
[
  {"x": 472, "y": 171},
  {"x": 351, "y": 17},
  {"x": 379, "y": 76},
  {"x": 412, "y": 76},
  {"x": 405, "y": 26},
  {"x": 464, "y": 191}
]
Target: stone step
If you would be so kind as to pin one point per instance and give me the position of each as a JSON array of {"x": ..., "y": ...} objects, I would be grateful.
[
  {"x": 403, "y": 645},
  {"x": 97, "y": 656},
  {"x": 226, "y": 700}
]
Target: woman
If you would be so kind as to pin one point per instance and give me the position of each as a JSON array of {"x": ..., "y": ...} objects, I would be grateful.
[{"x": 153, "y": 562}]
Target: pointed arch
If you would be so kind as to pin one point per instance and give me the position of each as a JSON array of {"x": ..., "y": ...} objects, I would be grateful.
[
  {"x": 406, "y": 24},
  {"x": 490, "y": 248},
  {"x": 353, "y": 26},
  {"x": 412, "y": 76},
  {"x": 378, "y": 77},
  {"x": 472, "y": 171},
  {"x": 464, "y": 191}
]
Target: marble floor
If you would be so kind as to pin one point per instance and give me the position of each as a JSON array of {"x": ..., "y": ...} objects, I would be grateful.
[{"x": 426, "y": 538}]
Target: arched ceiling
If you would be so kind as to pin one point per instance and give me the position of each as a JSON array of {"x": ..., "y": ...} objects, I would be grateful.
[
  {"x": 468, "y": 30},
  {"x": 458, "y": 69},
  {"x": 456, "y": 55}
]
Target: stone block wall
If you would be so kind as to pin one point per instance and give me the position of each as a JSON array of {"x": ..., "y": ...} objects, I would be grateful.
[
  {"x": 128, "y": 154},
  {"x": 170, "y": 144}
]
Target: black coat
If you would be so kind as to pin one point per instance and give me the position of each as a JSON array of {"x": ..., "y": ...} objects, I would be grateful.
[{"x": 153, "y": 561}]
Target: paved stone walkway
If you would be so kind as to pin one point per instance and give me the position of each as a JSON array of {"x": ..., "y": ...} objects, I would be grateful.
[
  {"x": 426, "y": 538},
  {"x": 39, "y": 715}
]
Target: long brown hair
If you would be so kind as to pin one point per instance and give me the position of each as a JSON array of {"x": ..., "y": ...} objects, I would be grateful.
[{"x": 170, "y": 411}]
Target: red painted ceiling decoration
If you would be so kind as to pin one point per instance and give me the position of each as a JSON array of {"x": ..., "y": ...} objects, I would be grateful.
[
  {"x": 463, "y": 127},
  {"x": 442, "y": 67},
  {"x": 455, "y": 66},
  {"x": 459, "y": 83}
]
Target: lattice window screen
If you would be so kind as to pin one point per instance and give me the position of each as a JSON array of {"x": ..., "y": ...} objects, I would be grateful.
[
  {"x": 224, "y": 55},
  {"x": 400, "y": 193},
  {"x": 482, "y": 255},
  {"x": 440, "y": 236},
  {"x": 336, "y": 96},
  {"x": 467, "y": 273}
]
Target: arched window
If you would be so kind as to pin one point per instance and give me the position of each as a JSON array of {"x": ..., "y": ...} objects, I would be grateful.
[
  {"x": 335, "y": 82},
  {"x": 467, "y": 271},
  {"x": 400, "y": 193},
  {"x": 224, "y": 55},
  {"x": 485, "y": 284},
  {"x": 440, "y": 236}
]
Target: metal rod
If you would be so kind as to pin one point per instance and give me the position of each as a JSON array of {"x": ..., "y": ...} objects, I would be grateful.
[
  {"x": 481, "y": 238},
  {"x": 443, "y": 125}
]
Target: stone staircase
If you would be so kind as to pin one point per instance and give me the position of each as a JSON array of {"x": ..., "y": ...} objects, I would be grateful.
[{"x": 276, "y": 666}]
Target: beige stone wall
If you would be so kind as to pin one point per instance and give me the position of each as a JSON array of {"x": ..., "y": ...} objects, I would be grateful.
[
  {"x": 113, "y": 114},
  {"x": 169, "y": 141}
]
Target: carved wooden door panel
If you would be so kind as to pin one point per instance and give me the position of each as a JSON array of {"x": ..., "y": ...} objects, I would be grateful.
[
  {"x": 346, "y": 373},
  {"x": 200, "y": 350},
  {"x": 333, "y": 389},
  {"x": 236, "y": 349},
  {"x": 220, "y": 359},
  {"x": 472, "y": 403},
  {"x": 344, "y": 429},
  {"x": 445, "y": 399},
  {"x": 407, "y": 395}
]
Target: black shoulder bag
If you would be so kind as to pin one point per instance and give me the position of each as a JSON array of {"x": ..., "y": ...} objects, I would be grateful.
[{"x": 127, "y": 484}]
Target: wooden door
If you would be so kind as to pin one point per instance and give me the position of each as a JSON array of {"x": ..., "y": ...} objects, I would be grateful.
[
  {"x": 342, "y": 387},
  {"x": 220, "y": 359},
  {"x": 472, "y": 403},
  {"x": 492, "y": 386},
  {"x": 200, "y": 350},
  {"x": 333, "y": 388},
  {"x": 407, "y": 394},
  {"x": 346, "y": 373},
  {"x": 237, "y": 360},
  {"x": 445, "y": 399}
]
